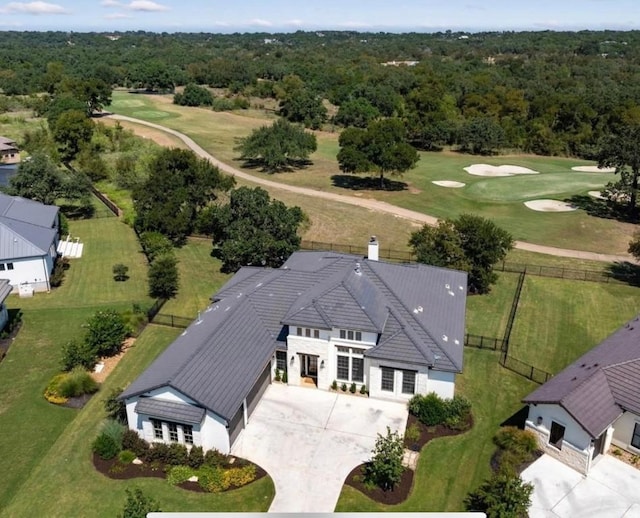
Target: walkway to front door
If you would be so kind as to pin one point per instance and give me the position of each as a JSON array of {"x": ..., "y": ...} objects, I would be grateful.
[
  {"x": 310, "y": 440},
  {"x": 309, "y": 369}
]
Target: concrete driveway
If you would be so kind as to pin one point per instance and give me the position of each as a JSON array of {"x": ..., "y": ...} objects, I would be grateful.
[
  {"x": 611, "y": 490},
  {"x": 309, "y": 440}
]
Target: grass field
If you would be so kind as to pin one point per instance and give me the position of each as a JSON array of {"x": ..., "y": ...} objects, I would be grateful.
[
  {"x": 487, "y": 315},
  {"x": 450, "y": 467},
  {"x": 219, "y": 132},
  {"x": 559, "y": 320}
]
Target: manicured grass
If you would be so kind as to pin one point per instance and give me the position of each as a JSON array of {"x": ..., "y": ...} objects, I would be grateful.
[
  {"x": 559, "y": 320},
  {"x": 450, "y": 467},
  {"x": 487, "y": 315},
  {"x": 524, "y": 257},
  {"x": 64, "y": 483},
  {"x": 218, "y": 133},
  {"x": 200, "y": 277},
  {"x": 89, "y": 280}
]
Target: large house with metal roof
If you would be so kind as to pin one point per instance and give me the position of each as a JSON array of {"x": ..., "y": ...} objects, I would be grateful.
[
  {"x": 9, "y": 152},
  {"x": 397, "y": 329},
  {"x": 592, "y": 404},
  {"x": 28, "y": 242}
]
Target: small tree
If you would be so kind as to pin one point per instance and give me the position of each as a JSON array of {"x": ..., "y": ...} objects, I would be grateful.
[
  {"x": 163, "y": 277},
  {"x": 501, "y": 496},
  {"x": 115, "y": 408},
  {"x": 138, "y": 505},
  {"x": 155, "y": 244},
  {"x": 120, "y": 272},
  {"x": 634, "y": 245},
  {"x": 385, "y": 467},
  {"x": 106, "y": 330}
]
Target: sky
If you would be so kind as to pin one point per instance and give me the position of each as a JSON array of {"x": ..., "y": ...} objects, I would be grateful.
[{"x": 225, "y": 16}]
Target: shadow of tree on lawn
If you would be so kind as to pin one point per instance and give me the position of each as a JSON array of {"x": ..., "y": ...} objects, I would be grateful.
[
  {"x": 625, "y": 272},
  {"x": 258, "y": 163},
  {"x": 366, "y": 183},
  {"x": 603, "y": 208}
]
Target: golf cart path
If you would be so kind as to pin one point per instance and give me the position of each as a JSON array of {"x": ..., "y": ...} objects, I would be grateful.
[{"x": 376, "y": 205}]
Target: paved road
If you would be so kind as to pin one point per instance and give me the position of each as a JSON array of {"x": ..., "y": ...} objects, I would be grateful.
[{"x": 379, "y": 206}]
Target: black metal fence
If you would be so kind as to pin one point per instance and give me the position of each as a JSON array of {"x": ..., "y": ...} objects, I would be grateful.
[
  {"x": 513, "y": 311},
  {"x": 384, "y": 253},
  {"x": 485, "y": 342},
  {"x": 524, "y": 369},
  {"x": 164, "y": 319},
  {"x": 155, "y": 309}
]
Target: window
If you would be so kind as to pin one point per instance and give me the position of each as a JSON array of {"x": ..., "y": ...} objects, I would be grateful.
[
  {"x": 187, "y": 432},
  {"x": 9, "y": 266},
  {"x": 2, "y": 267},
  {"x": 307, "y": 333},
  {"x": 343, "y": 368},
  {"x": 557, "y": 435},
  {"x": 299, "y": 331},
  {"x": 408, "y": 382},
  {"x": 157, "y": 429},
  {"x": 281, "y": 360},
  {"x": 357, "y": 369},
  {"x": 316, "y": 333},
  {"x": 387, "y": 379},
  {"x": 351, "y": 335},
  {"x": 173, "y": 432},
  {"x": 635, "y": 438},
  {"x": 343, "y": 333}
]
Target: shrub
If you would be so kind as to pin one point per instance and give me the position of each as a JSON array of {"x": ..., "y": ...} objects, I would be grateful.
[
  {"x": 363, "y": 389},
  {"x": 77, "y": 354},
  {"x": 458, "y": 412},
  {"x": 138, "y": 505},
  {"x": 430, "y": 409},
  {"x": 343, "y": 387},
  {"x": 155, "y": 244},
  {"x": 133, "y": 442},
  {"x": 284, "y": 377},
  {"x": 196, "y": 457},
  {"x": 211, "y": 479},
  {"x": 513, "y": 439},
  {"x": 115, "y": 430},
  {"x": 238, "y": 477},
  {"x": 163, "y": 277},
  {"x": 57, "y": 275},
  {"x": 352, "y": 388},
  {"x": 120, "y": 272},
  {"x": 76, "y": 383},
  {"x": 334, "y": 385},
  {"x": 213, "y": 458},
  {"x": 115, "y": 408},
  {"x": 412, "y": 434},
  {"x": 159, "y": 452},
  {"x": 105, "y": 446},
  {"x": 126, "y": 456},
  {"x": 51, "y": 393},
  {"x": 501, "y": 496},
  {"x": 178, "y": 454},
  {"x": 179, "y": 474},
  {"x": 106, "y": 330},
  {"x": 277, "y": 375}
]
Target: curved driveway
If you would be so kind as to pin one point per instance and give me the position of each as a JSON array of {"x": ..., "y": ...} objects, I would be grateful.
[{"x": 378, "y": 206}]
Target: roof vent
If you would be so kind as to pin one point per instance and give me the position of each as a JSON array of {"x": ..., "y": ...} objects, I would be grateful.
[
  {"x": 451, "y": 293},
  {"x": 447, "y": 286},
  {"x": 445, "y": 338},
  {"x": 358, "y": 271},
  {"x": 461, "y": 288},
  {"x": 417, "y": 310},
  {"x": 199, "y": 319},
  {"x": 457, "y": 342}
]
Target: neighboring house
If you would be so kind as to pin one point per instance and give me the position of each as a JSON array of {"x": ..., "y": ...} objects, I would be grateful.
[
  {"x": 28, "y": 242},
  {"x": 398, "y": 329},
  {"x": 593, "y": 403},
  {"x": 5, "y": 290},
  {"x": 9, "y": 152}
]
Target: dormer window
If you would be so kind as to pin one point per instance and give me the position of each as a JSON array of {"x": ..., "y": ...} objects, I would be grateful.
[
  {"x": 307, "y": 332},
  {"x": 346, "y": 334}
]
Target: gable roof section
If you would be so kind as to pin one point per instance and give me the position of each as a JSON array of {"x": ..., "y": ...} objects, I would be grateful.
[
  {"x": 26, "y": 227},
  {"x": 5, "y": 289},
  {"x": 598, "y": 386},
  {"x": 218, "y": 358}
]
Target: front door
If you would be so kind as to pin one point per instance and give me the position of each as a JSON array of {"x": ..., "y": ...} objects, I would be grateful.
[{"x": 309, "y": 367}]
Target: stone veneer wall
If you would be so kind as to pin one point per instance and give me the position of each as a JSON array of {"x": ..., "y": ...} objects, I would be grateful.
[{"x": 569, "y": 455}]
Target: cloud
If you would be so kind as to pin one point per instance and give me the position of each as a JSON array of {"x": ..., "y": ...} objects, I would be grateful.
[
  {"x": 35, "y": 8},
  {"x": 111, "y": 3},
  {"x": 260, "y": 23},
  {"x": 117, "y": 16},
  {"x": 146, "y": 5},
  {"x": 294, "y": 23}
]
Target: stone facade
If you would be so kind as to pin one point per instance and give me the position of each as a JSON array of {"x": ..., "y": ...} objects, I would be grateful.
[{"x": 580, "y": 460}]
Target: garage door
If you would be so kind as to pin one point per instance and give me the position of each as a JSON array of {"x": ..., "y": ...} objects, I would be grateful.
[
  {"x": 258, "y": 389},
  {"x": 236, "y": 425}
]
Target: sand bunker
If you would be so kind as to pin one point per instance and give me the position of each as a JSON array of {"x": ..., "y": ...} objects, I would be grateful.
[
  {"x": 550, "y": 206},
  {"x": 593, "y": 169},
  {"x": 597, "y": 194},
  {"x": 449, "y": 183},
  {"x": 498, "y": 170}
]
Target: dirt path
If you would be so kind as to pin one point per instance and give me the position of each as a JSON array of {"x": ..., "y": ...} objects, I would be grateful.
[{"x": 379, "y": 206}]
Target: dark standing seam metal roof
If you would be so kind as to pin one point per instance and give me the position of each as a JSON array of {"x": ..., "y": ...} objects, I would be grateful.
[
  {"x": 601, "y": 384},
  {"x": 5, "y": 290},
  {"x": 171, "y": 410},
  {"x": 219, "y": 357}
]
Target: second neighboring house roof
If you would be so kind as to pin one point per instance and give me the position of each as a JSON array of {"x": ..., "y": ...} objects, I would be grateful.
[
  {"x": 417, "y": 310},
  {"x": 27, "y": 228},
  {"x": 5, "y": 290},
  {"x": 601, "y": 384}
]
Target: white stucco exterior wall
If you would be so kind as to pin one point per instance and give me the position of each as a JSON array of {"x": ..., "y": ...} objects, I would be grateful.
[
  {"x": 32, "y": 270},
  {"x": 211, "y": 433},
  {"x": 440, "y": 382},
  {"x": 422, "y": 380},
  {"x": 623, "y": 430}
]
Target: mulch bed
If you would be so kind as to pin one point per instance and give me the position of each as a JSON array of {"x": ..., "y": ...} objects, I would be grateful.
[
  {"x": 129, "y": 471},
  {"x": 78, "y": 402},
  {"x": 401, "y": 492}
]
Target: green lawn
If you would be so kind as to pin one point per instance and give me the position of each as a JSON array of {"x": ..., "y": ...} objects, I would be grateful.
[
  {"x": 450, "y": 467},
  {"x": 497, "y": 198},
  {"x": 559, "y": 320},
  {"x": 487, "y": 315},
  {"x": 62, "y": 481},
  {"x": 200, "y": 277}
]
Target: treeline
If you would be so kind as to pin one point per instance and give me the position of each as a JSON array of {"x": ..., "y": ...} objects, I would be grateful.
[{"x": 550, "y": 93}]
